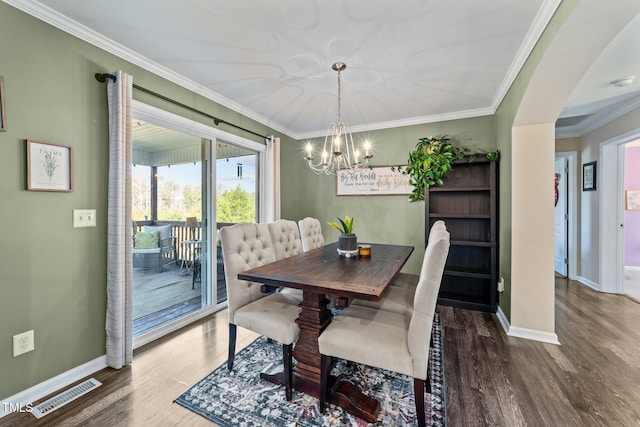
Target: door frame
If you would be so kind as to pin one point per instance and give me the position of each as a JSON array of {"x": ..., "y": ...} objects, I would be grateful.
[
  {"x": 182, "y": 124},
  {"x": 572, "y": 207},
  {"x": 611, "y": 222}
]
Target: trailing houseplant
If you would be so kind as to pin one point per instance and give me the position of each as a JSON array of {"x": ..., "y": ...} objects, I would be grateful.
[
  {"x": 431, "y": 159},
  {"x": 347, "y": 240}
]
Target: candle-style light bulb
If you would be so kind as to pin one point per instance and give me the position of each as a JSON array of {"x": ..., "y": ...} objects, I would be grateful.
[{"x": 366, "y": 148}]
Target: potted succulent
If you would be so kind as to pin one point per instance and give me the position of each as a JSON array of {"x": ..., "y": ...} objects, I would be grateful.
[
  {"x": 430, "y": 161},
  {"x": 347, "y": 240}
]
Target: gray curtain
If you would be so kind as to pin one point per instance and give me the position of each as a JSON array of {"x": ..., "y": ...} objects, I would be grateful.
[{"x": 119, "y": 288}]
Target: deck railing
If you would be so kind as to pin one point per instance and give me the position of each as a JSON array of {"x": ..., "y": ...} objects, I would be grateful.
[{"x": 181, "y": 233}]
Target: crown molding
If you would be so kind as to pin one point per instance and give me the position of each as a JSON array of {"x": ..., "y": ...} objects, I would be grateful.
[
  {"x": 466, "y": 114},
  {"x": 533, "y": 35},
  {"x": 64, "y": 23},
  {"x": 74, "y": 28},
  {"x": 597, "y": 120}
]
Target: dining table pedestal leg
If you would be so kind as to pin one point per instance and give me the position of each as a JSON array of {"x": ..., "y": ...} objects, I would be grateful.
[{"x": 313, "y": 319}]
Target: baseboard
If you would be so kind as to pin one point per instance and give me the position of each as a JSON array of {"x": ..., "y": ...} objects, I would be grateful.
[
  {"x": 529, "y": 334},
  {"x": 533, "y": 334},
  {"x": 632, "y": 268},
  {"x": 589, "y": 283},
  {"x": 503, "y": 320},
  {"x": 38, "y": 391}
]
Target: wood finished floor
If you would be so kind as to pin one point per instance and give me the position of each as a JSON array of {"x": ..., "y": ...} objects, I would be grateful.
[{"x": 592, "y": 379}]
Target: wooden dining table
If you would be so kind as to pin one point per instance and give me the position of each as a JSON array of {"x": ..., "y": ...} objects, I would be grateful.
[{"x": 322, "y": 272}]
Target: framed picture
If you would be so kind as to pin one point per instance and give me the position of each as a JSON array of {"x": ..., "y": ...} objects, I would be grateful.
[
  {"x": 632, "y": 198},
  {"x": 49, "y": 167},
  {"x": 589, "y": 176},
  {"x": 3, "y": 115},
  {"x": 375, "y": 181}
]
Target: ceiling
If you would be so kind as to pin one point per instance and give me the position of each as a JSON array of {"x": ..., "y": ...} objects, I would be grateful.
[{"x": 419, "y": 61}]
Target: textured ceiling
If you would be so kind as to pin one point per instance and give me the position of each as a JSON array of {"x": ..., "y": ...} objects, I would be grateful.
[{"x": 408, "y": 62}]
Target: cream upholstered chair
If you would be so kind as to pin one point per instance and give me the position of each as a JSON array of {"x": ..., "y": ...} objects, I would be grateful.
[
  {"x": 311, "y": 233},
  {"x": 286, "y": 241},
  {"x": 387, "y": 340},
  {"x": 245, "y": 246},
  {"x": 285, "y": 238},
  {"x": 399, "y": 296}
]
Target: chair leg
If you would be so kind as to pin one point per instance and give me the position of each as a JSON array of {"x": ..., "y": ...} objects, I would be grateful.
[
  {"x": 428, "y": 382},
  {"x": 418, "y": 391},
  {"x": 287, "y": 356},
  {"x": 232, "y": 345},
  {"x": 325, "y": 365}
]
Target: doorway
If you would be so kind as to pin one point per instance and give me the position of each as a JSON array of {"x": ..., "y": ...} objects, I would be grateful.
[
  {"x": 612, "y": 226},
  {"x": 565, "y": 215}
]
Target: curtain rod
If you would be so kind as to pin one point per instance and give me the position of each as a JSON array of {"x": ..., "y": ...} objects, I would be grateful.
[{"x": 102, "y": 78}]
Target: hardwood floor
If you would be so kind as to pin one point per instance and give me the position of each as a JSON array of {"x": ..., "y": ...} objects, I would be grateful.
[{"x": 592, "y": 379}]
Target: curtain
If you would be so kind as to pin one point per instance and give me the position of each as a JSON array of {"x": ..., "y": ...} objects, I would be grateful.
[
  {"x": 119, "y": 229},
  {"x": 272, "y": 176}
]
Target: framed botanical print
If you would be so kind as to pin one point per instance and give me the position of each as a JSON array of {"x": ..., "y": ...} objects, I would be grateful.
[{"x": 49, "y": 167}]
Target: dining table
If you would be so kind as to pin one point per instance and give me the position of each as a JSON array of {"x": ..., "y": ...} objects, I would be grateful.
[{"x": 318, "y": 273}]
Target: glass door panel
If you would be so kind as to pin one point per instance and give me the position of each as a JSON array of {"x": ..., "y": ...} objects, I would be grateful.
[
  {"x": 169, "y": 209},
  {"x": 237, "y": 185}
]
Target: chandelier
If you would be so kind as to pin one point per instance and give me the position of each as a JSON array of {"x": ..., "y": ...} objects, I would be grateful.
[{"x": 338, "y": 151}]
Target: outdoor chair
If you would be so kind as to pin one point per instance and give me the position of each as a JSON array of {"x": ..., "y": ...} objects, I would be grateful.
[{"x": 154, "y": 247}]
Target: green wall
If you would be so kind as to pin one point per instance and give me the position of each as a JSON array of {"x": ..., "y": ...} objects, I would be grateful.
[
  {"x": 504, "y": 117},
  {"x": 382, "y": 219},
  {"x": 53, "y": 276}
]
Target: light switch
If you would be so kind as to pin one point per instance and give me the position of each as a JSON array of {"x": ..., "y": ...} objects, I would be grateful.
[{"x": 84, "y": 218}]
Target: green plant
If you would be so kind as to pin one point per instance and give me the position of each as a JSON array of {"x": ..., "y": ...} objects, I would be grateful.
[
  {"x": 345, "y": 227},
  {"x": 430, "y": 161}
]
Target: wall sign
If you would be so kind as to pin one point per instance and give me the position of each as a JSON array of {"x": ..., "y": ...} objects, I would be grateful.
[{"x": 376, "y": 181}]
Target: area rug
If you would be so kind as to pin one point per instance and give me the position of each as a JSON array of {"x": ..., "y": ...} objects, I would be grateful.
[{"x": 242, "y": 398}]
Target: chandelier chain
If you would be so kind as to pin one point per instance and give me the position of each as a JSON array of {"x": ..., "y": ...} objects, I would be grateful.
[{"x": 338, "y": 153}]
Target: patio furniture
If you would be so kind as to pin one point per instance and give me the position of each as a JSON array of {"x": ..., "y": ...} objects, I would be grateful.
[{"x": 154, "y": 247}]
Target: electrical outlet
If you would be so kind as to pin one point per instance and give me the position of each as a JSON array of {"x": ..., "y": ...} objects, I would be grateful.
[
  {"x": 23, "y": 343},
  {"x": 501, "y": 285}
]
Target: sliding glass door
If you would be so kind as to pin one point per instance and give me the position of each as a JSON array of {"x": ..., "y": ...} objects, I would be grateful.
[
  {"x": 188, "y": 181},
  {"x": 170, "y": 196}
]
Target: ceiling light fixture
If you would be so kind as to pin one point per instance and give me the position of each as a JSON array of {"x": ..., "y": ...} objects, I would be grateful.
[
  {"x": 338, "y": 151},
  {"x": 623, "y": 82}
]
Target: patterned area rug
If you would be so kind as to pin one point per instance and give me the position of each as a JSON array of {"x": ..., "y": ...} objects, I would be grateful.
[{"x": 241, "y": 398}]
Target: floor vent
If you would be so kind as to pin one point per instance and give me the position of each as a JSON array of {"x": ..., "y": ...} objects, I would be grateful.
[{"x": 65, "y": 397}]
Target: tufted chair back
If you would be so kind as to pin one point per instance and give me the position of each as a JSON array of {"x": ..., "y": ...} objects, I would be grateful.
[
  {"x": 424, "y": 301},
  {"x": 311, "y": 234},
  {"x": 244, "y": 246},
  {"x": 285, "y": 238}
]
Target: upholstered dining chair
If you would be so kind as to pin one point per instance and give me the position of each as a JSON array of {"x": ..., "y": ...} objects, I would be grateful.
[
  {"x": 285, "y": 238},
  {"x": 286, "y": 241},
  {"x": 245, "y": 246},
  {"x": 311, "y": 233},
  {"x": 388, "y": 340},
  {"x": 399, "y": 296}
]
